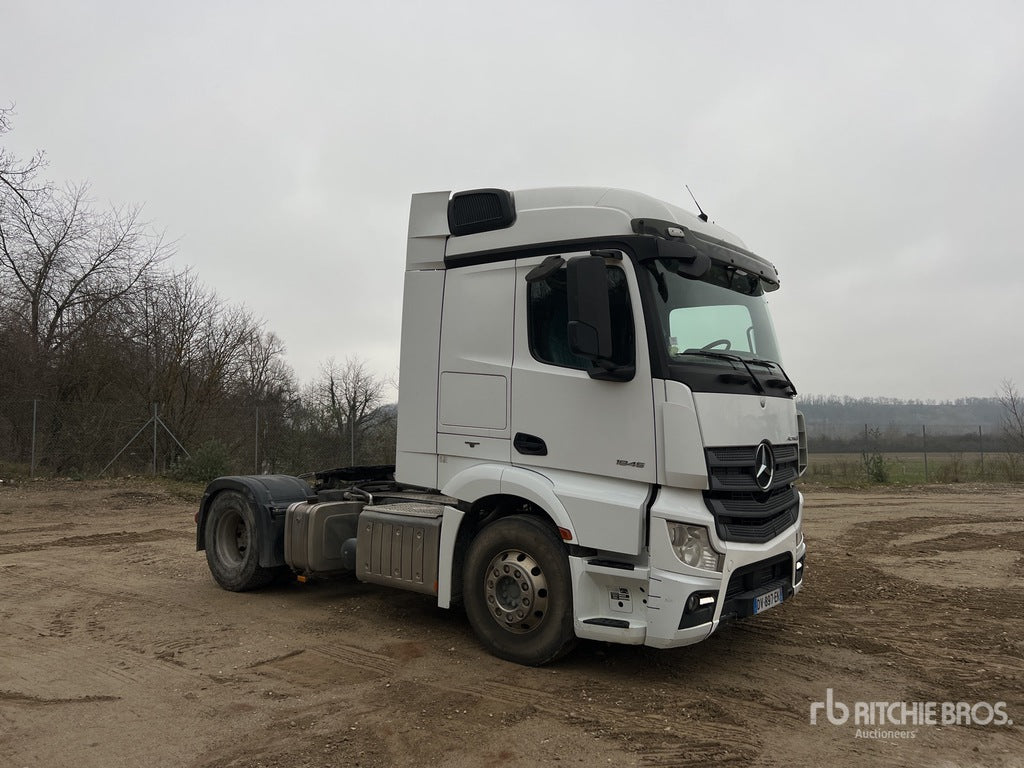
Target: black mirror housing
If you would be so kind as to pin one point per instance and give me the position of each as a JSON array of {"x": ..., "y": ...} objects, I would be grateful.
[{"x": 590, "y": 325}]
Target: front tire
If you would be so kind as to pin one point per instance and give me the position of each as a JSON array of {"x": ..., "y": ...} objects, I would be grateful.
[
  {"x": 232, "y": 544},
  {"x": 518, "y": 591}
]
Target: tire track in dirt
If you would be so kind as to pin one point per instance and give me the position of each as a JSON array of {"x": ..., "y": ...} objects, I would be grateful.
[
  {"x": 33, "y": 529},
  {"x": 722, "y": 742},
  {"x": 94, "y": 540},
  {"x": 349, "y": 655},
  {"x": 13, "y": 697}
]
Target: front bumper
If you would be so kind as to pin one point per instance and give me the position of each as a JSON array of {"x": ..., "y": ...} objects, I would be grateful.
[
  {"x": 660, "y": 602},
  {"x": 672, "y": 622},
  {"x": 686, "y": 605}
]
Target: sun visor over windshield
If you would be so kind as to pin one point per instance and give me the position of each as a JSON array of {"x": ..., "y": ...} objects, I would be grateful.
[{"x": 699, "y": 245}]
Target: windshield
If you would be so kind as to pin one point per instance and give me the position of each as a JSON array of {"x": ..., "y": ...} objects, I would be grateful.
[{"x": 723, "y": 311}]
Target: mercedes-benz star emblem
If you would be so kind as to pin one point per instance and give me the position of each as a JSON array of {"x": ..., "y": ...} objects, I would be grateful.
[{"x": 764, "y": 466}]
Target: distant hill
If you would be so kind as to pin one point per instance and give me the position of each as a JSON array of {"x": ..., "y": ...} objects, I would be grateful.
[
  {"x": 840, "y": 423},
  {"x": 882, "y": 411}
]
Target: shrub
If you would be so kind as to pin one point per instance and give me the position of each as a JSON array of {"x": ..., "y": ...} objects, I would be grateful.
[
  {"x": 211, "y": 460},
  {"x": 873, "y": 459},
  {"x": 952, "y": 471}
]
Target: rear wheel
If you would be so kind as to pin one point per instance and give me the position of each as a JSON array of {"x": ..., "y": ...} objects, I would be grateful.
[
  {"x": 518, "y": 592},
  {"x": 232, "y": 544}
]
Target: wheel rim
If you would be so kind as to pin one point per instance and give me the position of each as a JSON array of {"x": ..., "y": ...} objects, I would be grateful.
[
  {"x": 516, "y": 591},
  {"x": 232, "y": 536}
]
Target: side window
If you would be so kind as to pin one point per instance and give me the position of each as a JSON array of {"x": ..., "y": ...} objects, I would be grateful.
[{"x": 548, "y": 318}]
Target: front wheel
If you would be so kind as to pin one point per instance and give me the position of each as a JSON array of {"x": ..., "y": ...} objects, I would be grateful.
[
  {"x": 518, "y": 591},
  {"x": 232, "y": 544}
]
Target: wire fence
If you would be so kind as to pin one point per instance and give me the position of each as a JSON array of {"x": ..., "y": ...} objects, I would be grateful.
[
  {"x": 40, "y": 438},
  {"x": 848, "y": 451}
]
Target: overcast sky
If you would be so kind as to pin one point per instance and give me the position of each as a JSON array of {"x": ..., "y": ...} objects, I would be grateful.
[{"x": 872, "y": 151}]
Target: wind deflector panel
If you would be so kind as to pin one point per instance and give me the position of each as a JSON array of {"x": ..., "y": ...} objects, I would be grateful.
[{"x": 480, "y": 210}]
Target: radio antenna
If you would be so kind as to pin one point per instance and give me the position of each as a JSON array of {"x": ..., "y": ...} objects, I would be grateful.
[{"x": 703, "y": 216}]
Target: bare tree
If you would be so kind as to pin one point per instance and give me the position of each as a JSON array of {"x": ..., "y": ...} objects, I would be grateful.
[
  {"x": 266, "y": 376},
  {"x": 198, "y": 355},
  {"x": 67, "y": 263},
  {"x": 89, "y": 314},
  {"x": 18, "y": 177},
  {"x": 349, "y": 397},
  {"x": 268, "y": 388},
  {"x": 65, "y": 267},
  {"x": 1013, "y": 427}
]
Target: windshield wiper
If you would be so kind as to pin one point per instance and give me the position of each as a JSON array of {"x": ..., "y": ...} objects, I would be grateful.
[
  {"x": 784, "y": 382},
  {"x": 732, "y": 358}
]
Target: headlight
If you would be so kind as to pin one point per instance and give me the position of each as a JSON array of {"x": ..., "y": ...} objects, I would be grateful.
[{"x": 692, "y": 546}]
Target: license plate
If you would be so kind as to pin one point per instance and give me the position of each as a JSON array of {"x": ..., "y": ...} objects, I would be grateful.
[{"x": 767, "y": 600}]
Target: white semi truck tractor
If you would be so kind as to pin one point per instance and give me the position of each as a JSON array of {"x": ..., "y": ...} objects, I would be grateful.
[{"x": 596, "y": 436}]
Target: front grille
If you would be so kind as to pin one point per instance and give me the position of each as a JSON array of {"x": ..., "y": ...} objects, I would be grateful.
[
  {"x": 743, "y": 511},
  {"x": 752, "y": 504},
  {"x": 755, "y": 530},
  {"x": 732, "y": 468}
]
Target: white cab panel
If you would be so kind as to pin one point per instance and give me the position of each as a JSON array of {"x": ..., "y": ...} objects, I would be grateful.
[
  {"x": 545, "y": 226},
  {"x": 446, "y": 555},
  {"x": 417, "y": 412},
  {"x": 428, "y": 229},
  {"x": 683, "y": 464},
  {"x": 476, "y": 362},
  {"x": 727, "y": 420},
  {"x": 606, "y": 513},
  {"x": 566, "y": 213},
  {"x": 477, "y": 327},
  {"x": 473, "y": 401},
  {"x": 472, "y": 447}
]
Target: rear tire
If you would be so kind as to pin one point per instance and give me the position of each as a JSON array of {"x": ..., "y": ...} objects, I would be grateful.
[
  {"x": 232, "y": 544},
  {"x": 518, "y": 591}
]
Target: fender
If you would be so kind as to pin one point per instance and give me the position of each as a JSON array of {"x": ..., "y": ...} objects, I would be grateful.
[
  {"x": 538, "y": 488},
  {"x": 475, "y": 483},
  {"x": 269, "y": 496},
  {"x": 490, "y": 479}
]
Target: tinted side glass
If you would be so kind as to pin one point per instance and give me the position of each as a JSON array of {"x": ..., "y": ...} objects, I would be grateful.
[{"x": 548, "y": 316}]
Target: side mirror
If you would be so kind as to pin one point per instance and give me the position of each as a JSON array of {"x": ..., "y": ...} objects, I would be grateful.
[{"x": 590, "y": 325}]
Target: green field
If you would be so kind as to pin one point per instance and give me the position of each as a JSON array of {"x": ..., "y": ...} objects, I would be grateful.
[{"x": 909, "y": 468}]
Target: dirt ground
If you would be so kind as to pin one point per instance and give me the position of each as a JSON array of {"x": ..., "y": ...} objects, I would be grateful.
[{"x": 117, "y": 649}]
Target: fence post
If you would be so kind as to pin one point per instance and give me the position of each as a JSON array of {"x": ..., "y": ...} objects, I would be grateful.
[
  {"x": 256, "y": 445},
  {"x": 156, "y": 423},
  {"x": 981, "y": 450},
  {"x": 32, "y": 466},
  {"x": 924, "y": 444}
]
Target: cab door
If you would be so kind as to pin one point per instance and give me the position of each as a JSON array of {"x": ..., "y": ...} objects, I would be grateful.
[{"x": 562, "y": 419}]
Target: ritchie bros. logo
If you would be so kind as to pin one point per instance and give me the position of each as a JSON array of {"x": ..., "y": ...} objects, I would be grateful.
[{"x": 878, "y": 715}]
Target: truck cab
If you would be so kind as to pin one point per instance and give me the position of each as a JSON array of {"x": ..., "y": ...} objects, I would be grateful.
[{"x": 596, "y": 434}]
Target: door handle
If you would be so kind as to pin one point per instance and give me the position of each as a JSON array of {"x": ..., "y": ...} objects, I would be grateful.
[{"x": 529, "y": 445}]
